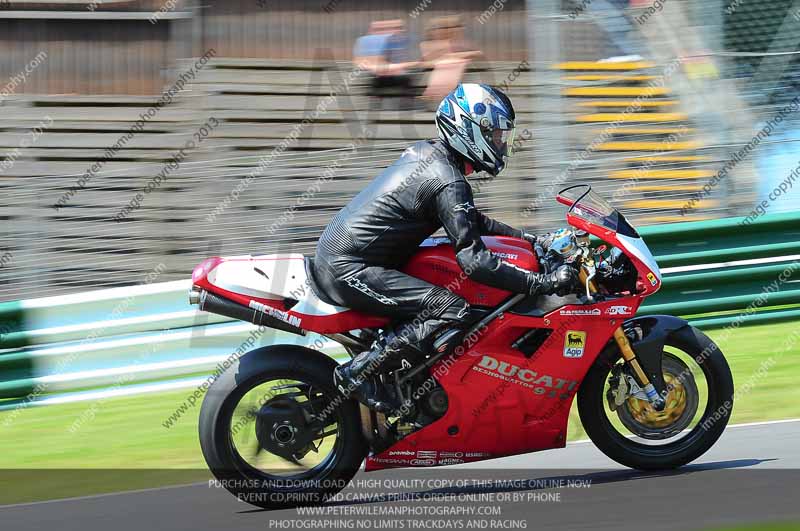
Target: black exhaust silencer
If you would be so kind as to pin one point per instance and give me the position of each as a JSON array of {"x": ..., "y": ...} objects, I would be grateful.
[{"x": 209, "y": 302}]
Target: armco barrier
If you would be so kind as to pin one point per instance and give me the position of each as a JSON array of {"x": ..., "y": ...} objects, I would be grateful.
[
  {"x": 134, "y": 336},
  {"x": 119, "y": 336},
  {"x": 725, "y": 265}
]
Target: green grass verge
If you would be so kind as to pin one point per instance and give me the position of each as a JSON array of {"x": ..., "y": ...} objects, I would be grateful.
[
  {"x": 128, "y": 433},
  {"x": 122, "y": 432}
]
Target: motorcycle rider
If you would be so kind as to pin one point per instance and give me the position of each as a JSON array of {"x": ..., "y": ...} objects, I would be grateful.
[{"x": 359, "y": 254}]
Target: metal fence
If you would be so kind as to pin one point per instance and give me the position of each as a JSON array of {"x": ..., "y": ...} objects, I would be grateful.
[{"x": 702, "y": 126}]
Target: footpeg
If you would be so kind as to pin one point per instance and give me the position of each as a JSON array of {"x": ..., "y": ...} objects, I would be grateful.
[{"x": 447, "y": 340}]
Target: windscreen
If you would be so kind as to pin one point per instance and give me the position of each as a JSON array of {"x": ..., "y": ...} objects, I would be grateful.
[{"x": 591, "y": 207}]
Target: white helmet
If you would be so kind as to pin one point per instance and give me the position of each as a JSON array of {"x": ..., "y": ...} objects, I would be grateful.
[{"x": 477, "y": 121}]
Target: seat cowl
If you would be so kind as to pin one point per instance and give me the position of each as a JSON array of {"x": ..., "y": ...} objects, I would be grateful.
[
  {"x": 285, "y": 277},
  {"x": 274, "y": 276},
  {"x": 280, "y": 285}
]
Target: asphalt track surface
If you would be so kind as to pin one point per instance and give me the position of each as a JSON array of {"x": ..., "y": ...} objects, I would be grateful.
[{"x": 752, "y": 475}]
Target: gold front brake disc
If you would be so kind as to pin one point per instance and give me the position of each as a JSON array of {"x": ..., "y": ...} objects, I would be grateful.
[{"x": 681, "y": 403}]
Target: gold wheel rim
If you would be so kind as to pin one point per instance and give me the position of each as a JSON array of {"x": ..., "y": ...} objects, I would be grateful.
[{"x": 643, "y": 413}]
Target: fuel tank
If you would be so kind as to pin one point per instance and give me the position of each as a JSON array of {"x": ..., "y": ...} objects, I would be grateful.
[{"x": 436, "y": 263}]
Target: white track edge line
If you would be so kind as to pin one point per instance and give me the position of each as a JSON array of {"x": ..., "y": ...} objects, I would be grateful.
[{"x": 742, "y": 425}]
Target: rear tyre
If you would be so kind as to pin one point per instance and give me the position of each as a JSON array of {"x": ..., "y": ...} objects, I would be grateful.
[
  {"x": 679, "y": 448},
  {"x": 297, "y": 380}
]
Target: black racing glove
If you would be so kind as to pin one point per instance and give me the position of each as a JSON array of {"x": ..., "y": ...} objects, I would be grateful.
[{"x": 562, "y": 281}]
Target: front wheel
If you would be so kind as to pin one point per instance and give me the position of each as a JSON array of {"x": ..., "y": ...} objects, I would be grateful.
[
  {"x": 698, "y": 405},
  {"x": 275, "y": 431}
]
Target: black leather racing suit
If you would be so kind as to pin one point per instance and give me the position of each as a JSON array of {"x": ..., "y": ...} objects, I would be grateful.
[{"x": 361, "y": 250}]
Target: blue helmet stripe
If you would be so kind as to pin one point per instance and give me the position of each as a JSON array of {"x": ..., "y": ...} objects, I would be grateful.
[
  {"x": 498, "y": 111},
  {"x": 461, "y": 99},
  {"x": 447, "y": 109}
]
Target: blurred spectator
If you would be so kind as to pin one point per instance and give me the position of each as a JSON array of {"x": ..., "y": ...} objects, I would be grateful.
[
  {"x": 447, "y": 53},
  {"x": 370, "y": 48},
  {"x": 384, "y": 51},
  {"x": 398, "y": 44}
]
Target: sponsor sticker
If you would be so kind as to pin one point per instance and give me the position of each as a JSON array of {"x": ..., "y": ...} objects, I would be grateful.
[
  {"x": 477, "y": 454},
  {"x": 540, "y": 384},
  {"x": 467, "y": 139},
  {"x": 276, "y": 313},
  {"x": 652, "y": 278},
  {"x": 594, "y": 311},
  {"x": 618, "y": 310},
  {"x": 389, "y": 461},
  {"x": 409, "y": 453},
  {"x": 574, "y": 344},
  {"x": 451, "y": 454},
  {"x": 508, "y": 256}
]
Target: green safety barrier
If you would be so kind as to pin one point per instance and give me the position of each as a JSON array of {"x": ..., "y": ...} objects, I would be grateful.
[
  {"x": 745, "y": 273},
  {"x": 768, "y": 277},
  {"x": 723, "y": 240}
]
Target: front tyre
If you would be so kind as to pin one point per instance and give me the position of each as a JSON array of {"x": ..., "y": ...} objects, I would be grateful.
[
  {"x": 637, "y": 436},
  {"x": 275, "y": 431}
]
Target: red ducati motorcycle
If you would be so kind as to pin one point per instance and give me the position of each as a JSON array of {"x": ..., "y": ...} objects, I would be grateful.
[{"x": 652, "y": 392}]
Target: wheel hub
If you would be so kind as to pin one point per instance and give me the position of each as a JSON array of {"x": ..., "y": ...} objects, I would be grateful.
[
  {"x": 681, "y": 404},
  {"x": 283, "y": 433},
  {"x": 282, "y": 429}
]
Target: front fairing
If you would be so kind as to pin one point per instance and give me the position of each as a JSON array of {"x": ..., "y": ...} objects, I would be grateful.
[{"x": 591, "y": 213}]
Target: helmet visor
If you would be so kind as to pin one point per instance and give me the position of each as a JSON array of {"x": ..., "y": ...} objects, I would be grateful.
[{"x": 502, "y": 140}]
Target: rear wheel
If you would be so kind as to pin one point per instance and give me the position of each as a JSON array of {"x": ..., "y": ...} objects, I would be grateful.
[
  {"x": 276, "y": 432},
  {"x": 698, "y": 405}
]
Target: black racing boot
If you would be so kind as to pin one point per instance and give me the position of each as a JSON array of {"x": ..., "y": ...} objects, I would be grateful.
[{"x": 358, "y": 379}]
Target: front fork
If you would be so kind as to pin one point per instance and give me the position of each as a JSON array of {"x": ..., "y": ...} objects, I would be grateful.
[
  {"x": 630, "y": 358},
  {"x": 628, "y": 354}
]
